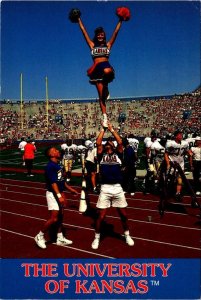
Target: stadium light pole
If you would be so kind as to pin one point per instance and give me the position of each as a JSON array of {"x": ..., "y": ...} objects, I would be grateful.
[
  {"x": 21, "y": 100},
  {"x": 47, "y": 101}
]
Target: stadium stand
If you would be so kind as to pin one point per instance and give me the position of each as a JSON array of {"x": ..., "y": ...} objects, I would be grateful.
[{"x": 81, "y": 119}]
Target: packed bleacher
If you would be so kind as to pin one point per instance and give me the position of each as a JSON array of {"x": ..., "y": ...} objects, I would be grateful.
[{"x": 77, "y": 119}]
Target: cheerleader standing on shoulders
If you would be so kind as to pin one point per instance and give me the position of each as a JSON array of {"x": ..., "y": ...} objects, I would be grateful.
[{"x": 101, "y": 72}]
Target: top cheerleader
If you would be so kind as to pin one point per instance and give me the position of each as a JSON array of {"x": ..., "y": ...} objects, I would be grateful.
[{"x": 101, "y": 72}]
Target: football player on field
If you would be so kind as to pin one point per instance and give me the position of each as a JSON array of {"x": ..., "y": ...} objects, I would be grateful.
[
  {"x": 68, "y": 157},
  {"x": 175, "y": 150}
]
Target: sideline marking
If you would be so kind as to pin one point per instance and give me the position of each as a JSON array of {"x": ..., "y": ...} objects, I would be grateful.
[
  {"x": 137, "y": 238},
  {"x": 132, "y": 220},
  {"x": 73, "y": 248}
]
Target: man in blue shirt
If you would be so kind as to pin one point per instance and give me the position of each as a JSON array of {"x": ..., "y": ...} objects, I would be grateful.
[
  {"x": 111, "y": 193},
  {"x": 56, "y": 201}
]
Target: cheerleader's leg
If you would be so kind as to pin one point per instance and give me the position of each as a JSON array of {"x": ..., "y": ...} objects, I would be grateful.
[{"x": 102, "y": 92}]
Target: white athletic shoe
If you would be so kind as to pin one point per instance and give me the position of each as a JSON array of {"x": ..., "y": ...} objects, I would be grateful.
[
  {"x": 95, "y": 243},
  {"x": 40, "y": 241},
  {"x": 198, "y": 193},
  {"x": 129, "y": 240},
  {"x": 62, "y": 241}
]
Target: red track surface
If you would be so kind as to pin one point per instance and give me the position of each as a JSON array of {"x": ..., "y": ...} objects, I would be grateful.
[
  {"x": 22, "y": 170},
  {"x": 24, "y": 210}
]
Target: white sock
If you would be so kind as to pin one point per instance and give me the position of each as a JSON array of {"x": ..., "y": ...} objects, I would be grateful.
[
  {"x": 127, "y": 232},
  {"x": 60, "y": 235},
  {"x": 41, "y": 233},
  {"x": 97, "y": 235},
  {"x": 105, "y": 116}
]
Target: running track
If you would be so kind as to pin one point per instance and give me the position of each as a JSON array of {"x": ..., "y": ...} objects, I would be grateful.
[{"x": 24, "y": 210}]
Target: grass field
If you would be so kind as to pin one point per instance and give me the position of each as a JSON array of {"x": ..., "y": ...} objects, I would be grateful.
[
  {"x": 11, "y": 165},
  {"x": 12, "y": 158}
]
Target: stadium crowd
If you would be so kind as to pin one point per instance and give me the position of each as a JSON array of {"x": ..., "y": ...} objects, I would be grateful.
[
  {"x": 165, "y": 124},
  {"x": 77, "y": 120}
]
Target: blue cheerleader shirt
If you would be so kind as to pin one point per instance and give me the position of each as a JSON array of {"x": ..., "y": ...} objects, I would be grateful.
[{"x": 54, "y": 173}]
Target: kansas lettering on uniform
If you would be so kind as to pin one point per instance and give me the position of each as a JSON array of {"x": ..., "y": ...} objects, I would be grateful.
[
  {"x": 110, "y": 168},
  {"x": 100, "y": 51},
  {"x": 110, "y": 159}
]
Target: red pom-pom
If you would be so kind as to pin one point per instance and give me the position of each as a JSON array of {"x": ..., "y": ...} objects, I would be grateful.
[{"x": 123, "y": 13}]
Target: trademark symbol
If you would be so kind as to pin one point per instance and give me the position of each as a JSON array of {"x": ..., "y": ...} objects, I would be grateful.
[{"x": 155, "y": 282}]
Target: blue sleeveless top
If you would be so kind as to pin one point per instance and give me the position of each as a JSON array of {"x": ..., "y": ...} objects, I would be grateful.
[{"x": 110, "y": 168}]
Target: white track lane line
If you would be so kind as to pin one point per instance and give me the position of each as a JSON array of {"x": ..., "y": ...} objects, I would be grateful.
[
  {"x": 137, "y": 238},
  {"x": 43, "y": 188},
  {"x": 73, "y": 248},
  {"x": 130, "y": 207},
  {"x": 110, "y": 216},
  {"x": 41, "y": 183},
  {"x": 134, "y": 199}
]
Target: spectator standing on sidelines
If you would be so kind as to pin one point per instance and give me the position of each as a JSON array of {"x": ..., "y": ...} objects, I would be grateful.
[
  {"x": 111, "y": 193},
  {"x": 29, "y": 155},
  {"x": 21, "y": 147},
  {"x": 56, "y": 201}
]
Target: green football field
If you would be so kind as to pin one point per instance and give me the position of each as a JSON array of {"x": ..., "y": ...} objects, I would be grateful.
[
  {"x": 11, "y": 164},
  {"x": 12, "y": 168},
  {"x": 12, "y": 158}
]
